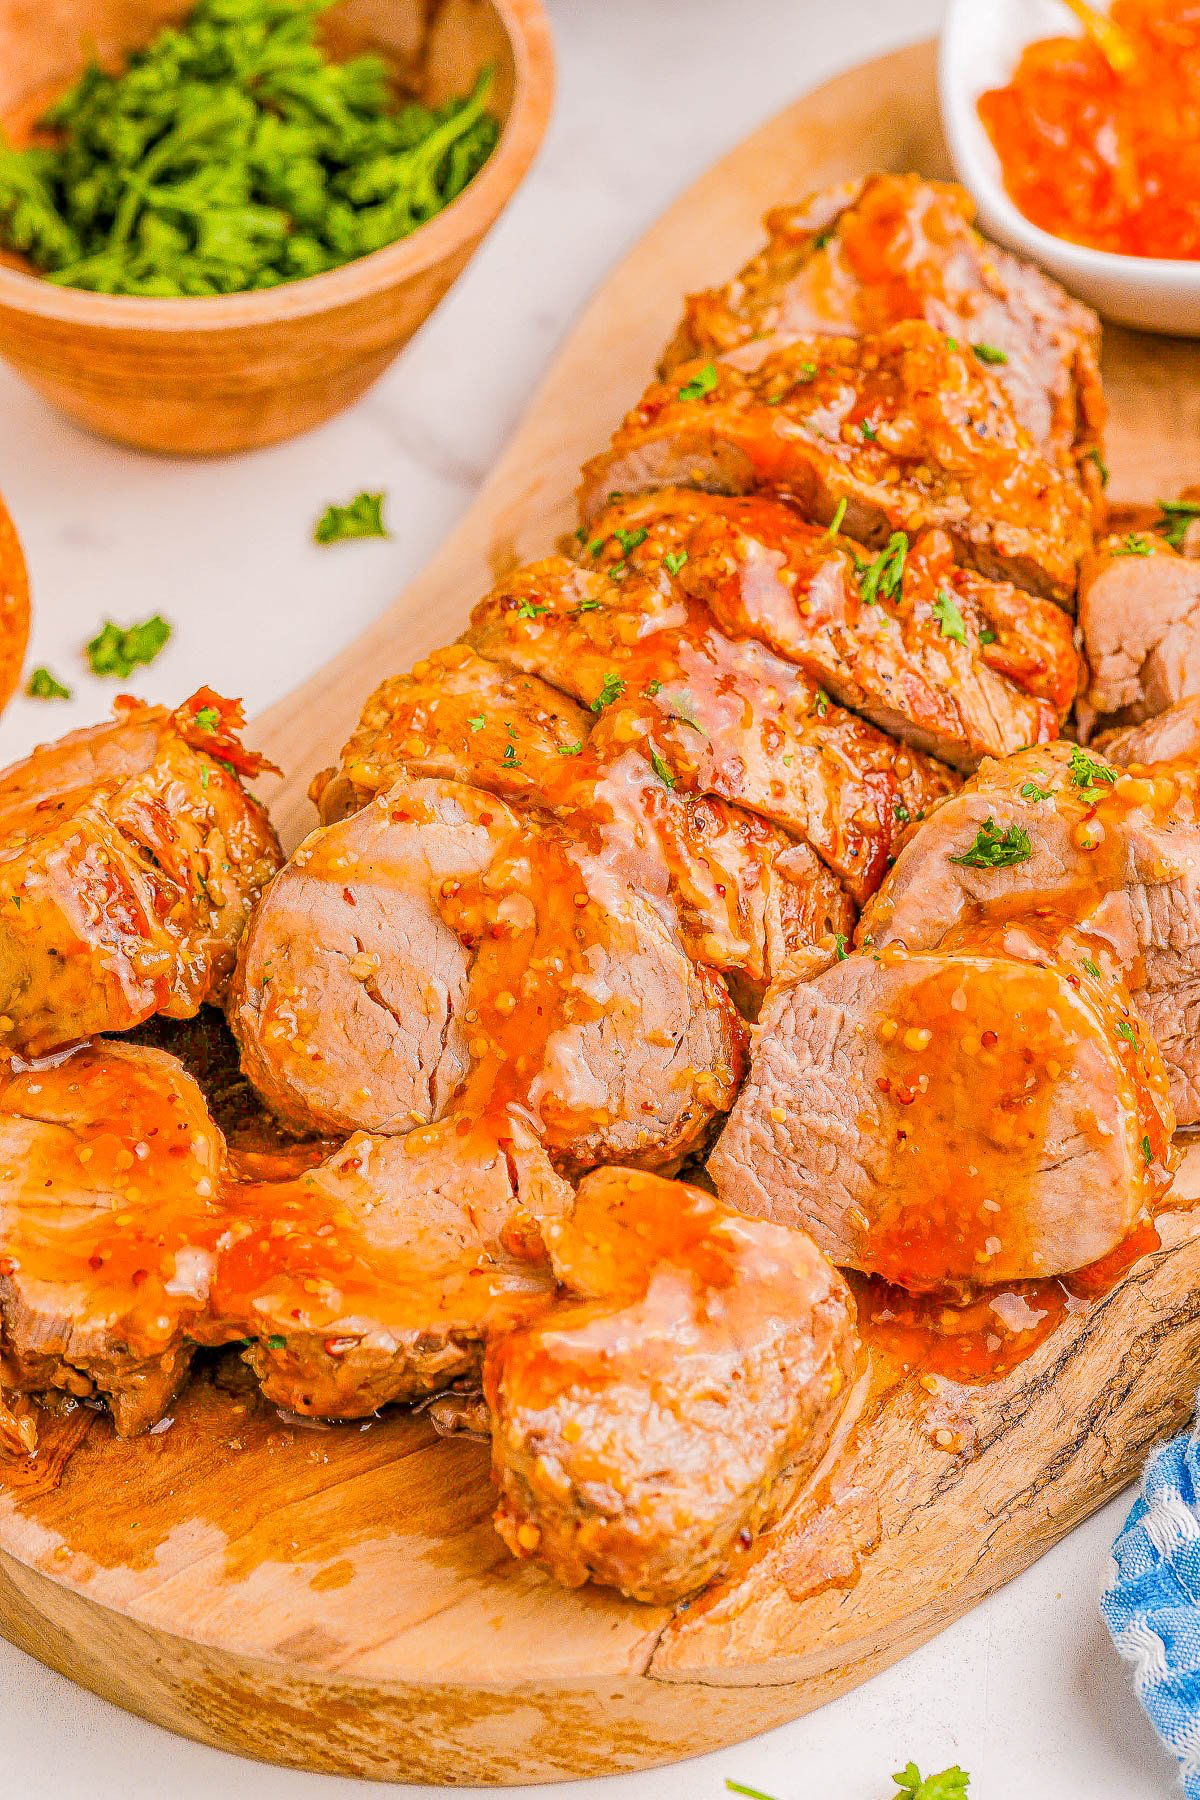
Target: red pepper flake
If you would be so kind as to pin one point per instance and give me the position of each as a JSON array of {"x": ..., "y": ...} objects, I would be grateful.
[{"x": 989, "y": 1039}]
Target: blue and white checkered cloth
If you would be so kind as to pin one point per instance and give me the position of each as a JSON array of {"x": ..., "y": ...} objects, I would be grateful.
[{"x": 1152, "y": 1603}]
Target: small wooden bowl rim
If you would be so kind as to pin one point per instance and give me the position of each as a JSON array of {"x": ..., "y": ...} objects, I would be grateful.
[{"x": 466, "y": 218}]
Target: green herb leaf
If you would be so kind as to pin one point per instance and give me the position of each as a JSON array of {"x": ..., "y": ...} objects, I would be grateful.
[
  {"x": 1174, "y": 518},
  {"x": 739, "y": 1787},
  {"x": 1031, "y": 791},
  {"x": 835, "y": 524},
  {"x": 651, "y": 689},
  {"x": 361, "y": 518},
  {"x": 950, "y": 1784},
  {"x": 674, "y": 560},
  {"x": 820, "y": 703},
  {"x": 989, "y": 353},
  {"x": 1125, "y": 1030},
  {"x": 612, "y": 690},
  {"x": 901, "y": 813},
  {"x": 43, "y": 685},
  {"x": 839, "y": 945},
  {"x": 571, "y": 749},
  {"x": 1094, "y": 455},
  {"x": 629, "y": 540},
  {"x": 702, "y": 382},
  {"x": 1088, "y": 775},
  {"x": 1134, "y": 543},
  {"x": 662, "y": 770},
  {"x": 868, "y": 430},
  {"x": 996, "y": 849},
  {"x": 207, "y": 719},
  {"x": 987, "y": 635},
  {"x": 1147, "y": 1152},
  {"x": 478, "y": 722},
  {"x": 1091, "y": 967},
  {"x": 588, "y": 606},
  {"x": 886, "y": 574},
  {"x": 950, "y": 620},
  {"x": 118, "y": 650},
  {"x": 276, "y": 1343}
]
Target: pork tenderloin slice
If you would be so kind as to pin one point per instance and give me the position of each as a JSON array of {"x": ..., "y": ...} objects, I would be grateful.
[
  {"x": 952, "y": 1116},
  {"x": 716, "y": 714},
  {"x": 130, "y": 855},
  {"x": 1170, "y": 736},
  {"x": 672, "y": 1402},
  {"x": 1139, "y": 612},
  {"x": 858, "y": 258},
  {"x": 110, "y": 1169},
  {"x": 440, "y": 950},
  {"x": 908, "y": 428},
  {"x": 1114, "y": 855},
  {"x": 456, "y": 717}
]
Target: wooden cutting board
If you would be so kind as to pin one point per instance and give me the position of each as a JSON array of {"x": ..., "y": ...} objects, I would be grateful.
[{"x": 335, "y": 1597}]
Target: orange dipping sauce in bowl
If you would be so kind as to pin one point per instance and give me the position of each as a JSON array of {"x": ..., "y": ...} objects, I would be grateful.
[{"x": 1105, "y": 159}]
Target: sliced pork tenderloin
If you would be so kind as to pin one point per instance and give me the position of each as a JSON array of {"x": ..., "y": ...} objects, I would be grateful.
[
  {"x": 1170, "y": 736},
  {"x": 860, "y": 257},
  {"x": 988, "y": 1111},
  {"x": 439, "y": 949},
  {"x": 1139, "y": 612},
  {"x": 130, "y": 856},
  {"x": 908, "y": 429},
  {"x": 676, "y": 1397}
]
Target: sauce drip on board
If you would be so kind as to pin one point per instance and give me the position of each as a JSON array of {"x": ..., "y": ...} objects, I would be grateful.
[{"x": 1106, "y": 158}]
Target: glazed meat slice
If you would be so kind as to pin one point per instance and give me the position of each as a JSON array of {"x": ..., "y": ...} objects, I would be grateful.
[
  {"x": 440, "y": 949},
  {"x": 379, "y": 1276},
  {"x": 1059, "y": 833},
  {"x": 910, "y": 430},
  {"x": 717, "y": 715},
  {"x": 858, "y": 258},
  {"x": 931, "y": 652},
  {"x": 643, "y": 1430},
  {"x": 1170, "y": 736},
  {"x": 456, "y": 717},
  {"x": 979, "y": 1113},
  {"x": 110, "y": 1169},
  {"x": 130, "y": 855},
  {"x": 1139, "y": 612}
]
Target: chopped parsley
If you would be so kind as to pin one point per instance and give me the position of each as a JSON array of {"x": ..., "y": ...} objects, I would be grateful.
[
  {"x": 674, "y": 560},
  {"x": 1125, "y": 1030},
  {"x": 702, "y": 382},
  {"x": 231, "y": 154},
  {"x": 629, "y": 540},
  {"x": 1174, "y": 518},
  {"x": 1088, "y": 775},
  {"x": 595, "y": 547},
  {"x": 1031, "y": 791},
  {"x": 868, "y": 430},
  {"x": 886, "y": 574},
  {"x": 478, "y": 722},
  {"x": 527, "y": 610},
  {"x": 207, "y": 719},
  {"x": 588, "y": 606},
  {"x": 651, "y": 689},
  {"x": 996, "y": 849},
  {"x": 43, "y": 685},
  {"x": 119, "y": 650},
  {"x": 901, "y": 813},
  {"x": 1092, "y": 968},
  {"x": 661, "y": 769},
  {"x": 839, "y": 945},
  {"x": 949, "y": 1784},
  {"x": 1134, "y": 543},
  {"x": 1147, "y": 1152},
  {"x": 987, "y": 635},
  {"x": 612, "y": 690},
  {"x": 990, "y": 353},
  {"x": 571, "y": 749},
  {"x": 950, "y": 620},
  {"x": 820, "y": 703},
  {"x": 1093, "y": 455},
  {"x": 276, "y": 1343},
  {"x": 361, "y": 517},
  {"x": 509, "y": 759},
  {"x": 835, "y": 524}
]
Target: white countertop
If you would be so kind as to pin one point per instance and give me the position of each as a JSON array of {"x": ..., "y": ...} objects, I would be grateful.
[{"x": 1026, "y": 1692}]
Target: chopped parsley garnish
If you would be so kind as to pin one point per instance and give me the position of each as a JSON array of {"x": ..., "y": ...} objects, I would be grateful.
[
  {"x": 990, "y": 353},
  {"x": 651, "y": 688},
  {"x": 839, "y": 945},
  {"x": 231, "y": 154},
  {"x": 674, "y": 560},
  {"x": 207, "y": 719},
  {"x": 589, "y": 606},
  {"x": 45, "y": 686},
  {"x": 1031, "y": 791},
  {"x": 510, "y": 756},
  {"x": 1093, "y": 455},
  {"x": 1174, "y": 518},
  {"x": 276, "y": 1343},
  {"x": 996, "y": 849},
  {"x": 702, "y": 382},
  {"x": 527, "y": 610},
  {"x": 612, "y": 690},
  {"x": 119, "y": 650},
  {"x": 901, "y": 813},
  {"x": 1125, "y": 1030},
  {"x": 478, "y": 722},
  {"x": 868, "y": 430},
  {"x": 886, "y": 574},
  {"x": 950, "y": 620},
  {"x": 808, "y": 372},
  {"x": 362, "y": 517},
  {"x": 629, "y": 540},
  {"x": 987, "y": 635},
  {"x": 1134, "y": 543},
  {"x": 661, "y": 769},
  {"x": 1147, "y": 1152},
  {"x": 571, "y": 749},
  {"x": 1092, "y": 968},
  {"x": 949, "y": 1784},
  {"x": 1088, "y": 775},
  {"x": 835, "y": 524},
  {"x": 820, "y": 703},
  {"x": 595, "y": 547}
]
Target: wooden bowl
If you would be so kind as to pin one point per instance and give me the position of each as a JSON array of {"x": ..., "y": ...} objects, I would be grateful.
[{"x": 201, "y": 376}]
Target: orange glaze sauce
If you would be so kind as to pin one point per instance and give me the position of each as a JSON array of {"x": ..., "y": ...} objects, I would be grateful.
[{"x": 1103, "y": 158}]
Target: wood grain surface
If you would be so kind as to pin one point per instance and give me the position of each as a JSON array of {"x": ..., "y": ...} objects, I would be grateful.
[{"x": 335, "y": 1597}]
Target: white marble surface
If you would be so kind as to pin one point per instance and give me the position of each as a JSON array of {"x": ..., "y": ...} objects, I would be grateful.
[{"x": 1025, "y": 1692}]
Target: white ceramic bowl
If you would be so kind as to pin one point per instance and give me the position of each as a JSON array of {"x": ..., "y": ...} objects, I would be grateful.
[{"x": 981, "y": 42}]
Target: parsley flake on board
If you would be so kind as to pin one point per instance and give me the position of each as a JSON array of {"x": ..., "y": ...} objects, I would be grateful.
[
  {"x": 362, "y": 517},
  {"x": 42, "y": 685},
  {"x": 949, "y": 619},
  {"x": 702, "y": 382},
  {"x": 1174, "y": 518},
  {"x": 950, "y": 1784},
  {"x": 231, "y": 154},
  {"x": 886, "y": 574},
  {"x": 996, "y": 849},
  {"x": 612, "y": 690},
  {"x": 119, "y": 650}
]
